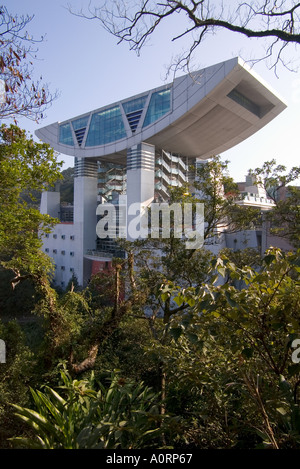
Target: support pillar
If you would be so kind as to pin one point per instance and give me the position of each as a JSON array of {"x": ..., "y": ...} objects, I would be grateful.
[
  {"x": 85, "y": 220},
  {"x": 140, "y": 185}
]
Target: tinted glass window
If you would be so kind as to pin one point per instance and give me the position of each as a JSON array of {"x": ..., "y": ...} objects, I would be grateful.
[
  {"x": 106, "y": 127},
  {"x": 65, "y": 134},
  {"x": 159, "y": 105}
]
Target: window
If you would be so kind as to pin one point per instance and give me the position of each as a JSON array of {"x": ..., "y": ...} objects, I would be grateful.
[
  {"x": 242, "y": 100},
  {"x": 160, "y": 104},
  {"x": 106, "y": 127},
  {"x": 54, "y": 236},
  {"x": 63, "y": 252},
  {"x": 72, "y": 253},
  {"x": 71, "y": 269},
  {"x": 54, "y": 251},
  {"x": 47, "y": 250},
  {"x": 63, "y": 237},
  {"x": 65, "y": 134},
  {"x": 62, "y": 267},
  {"x": 79, "y": 126},
  {"x": 72, "y": 237},
  {"x": 133, "y": 110},
  {"x": 135, "y": 104}
]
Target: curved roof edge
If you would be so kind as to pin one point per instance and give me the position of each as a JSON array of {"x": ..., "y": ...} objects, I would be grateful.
[{"x": 210, "y": 111}]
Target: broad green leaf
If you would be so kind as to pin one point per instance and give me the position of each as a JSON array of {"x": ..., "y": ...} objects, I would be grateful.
[{"x": 176, "y": 332}]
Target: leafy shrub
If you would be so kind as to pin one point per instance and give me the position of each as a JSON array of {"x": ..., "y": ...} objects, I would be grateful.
[{"x": 124, "y": 415}]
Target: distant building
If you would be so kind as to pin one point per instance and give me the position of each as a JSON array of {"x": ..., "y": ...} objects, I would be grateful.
[
  {"x": 132, "y": 151},
  {"x": 255, "y": 196}
]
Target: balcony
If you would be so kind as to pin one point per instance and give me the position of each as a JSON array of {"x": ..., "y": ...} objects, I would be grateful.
[{"x": 99, "y": 254}]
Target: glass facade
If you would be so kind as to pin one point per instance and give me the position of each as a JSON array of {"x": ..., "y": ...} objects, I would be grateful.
[
  {"x": 65, "y": 134},
  {"x": 133, "y": 110},
  {"x": 159, "y": 105},
  {"x": 135, "y": 104},
  {"x": 106, "y": 127},
  {"x": 80, "y": 123},
  {"x": 79, "y": 126}
]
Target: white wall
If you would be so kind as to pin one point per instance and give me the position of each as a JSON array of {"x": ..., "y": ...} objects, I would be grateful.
[{"x": 62, "y": 245}]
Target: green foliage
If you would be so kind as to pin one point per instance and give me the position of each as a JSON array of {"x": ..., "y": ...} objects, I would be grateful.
[
  {"x": 16, "y": 302},
  {"x": 73, "y": 284},
  {"x": 284, "y": 218},
  {"x": 273, "y": 177},
  {"x": 265, "y": 312},
  {"x": 124, "y": 415},
  {"x": 128, "y": 350},
  {"x": 217, "y": 190},
  {"x": 233, "y": 348},
  {"x": 24, "y": 165},
  {"x": 223, "y": 359},
  {"x": 102, "y": 289},
  {"x": 289, "y": 413},
  {"x": 15, "y": 376},
  {"x": 67, "y": 186},
  {"x": 214, "y": 344}
]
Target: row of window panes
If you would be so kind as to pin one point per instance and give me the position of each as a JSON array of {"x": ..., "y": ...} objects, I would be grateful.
[
  {"x": 72, "y": 237},
  {"x": 62, "y": 252},
  {"x": 65, "y": 134},
  {"x": 107, "y": 126},
  {"x": 160, "y": 104},
  {"x": 245, "y": 102},
  {"x": 80, "y": 123},
  {"x": 135, "y": 104},
  {"x": 63, "y": 268}
]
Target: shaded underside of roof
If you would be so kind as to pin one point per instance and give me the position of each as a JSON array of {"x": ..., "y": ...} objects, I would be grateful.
[{"x": 210, "y": 112}]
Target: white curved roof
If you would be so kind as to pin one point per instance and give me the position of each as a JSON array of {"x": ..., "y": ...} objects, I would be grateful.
[{"x": 211, "y": 111}]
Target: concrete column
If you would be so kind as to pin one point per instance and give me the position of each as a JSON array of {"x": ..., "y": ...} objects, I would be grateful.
[
  {"x": 140, "y": 185},
  {"x": 50, "y": 204},
  {"x": 85, "y": 205}
]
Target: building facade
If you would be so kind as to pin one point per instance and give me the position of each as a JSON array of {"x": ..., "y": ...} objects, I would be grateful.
[{"x": 131, "y": 152}]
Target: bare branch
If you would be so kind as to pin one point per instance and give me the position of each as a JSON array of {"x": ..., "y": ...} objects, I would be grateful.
[
  {"x": 135, "y": 23},
  {"x": 24, "y": 96}
]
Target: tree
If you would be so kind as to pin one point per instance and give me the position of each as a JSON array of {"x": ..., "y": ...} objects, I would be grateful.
[
  {"x": 235, "y": 351},
  {"x": 273, "y": 178},
  {"x": 162, "y": 263},
  {"x": 24, "y": 166},
  {"x": 284, "y": 218},
  {"x": 22, "y": 95},
  {"x": 231, "y": 380},
  {"x": 67, "y": 186},
  {"x": 121, "y": 304},
  {"x": 275, "y": 23},
  {"x": 220, "y": 194},
  {"x": 153, "y": 265},
  {"x": 16, "y": 374}
]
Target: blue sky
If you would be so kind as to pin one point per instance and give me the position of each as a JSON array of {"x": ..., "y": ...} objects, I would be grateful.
[{"x": 84, "y": 63}]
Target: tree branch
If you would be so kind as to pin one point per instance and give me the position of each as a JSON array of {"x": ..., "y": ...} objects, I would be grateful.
[{"x": 136, "y": 23}]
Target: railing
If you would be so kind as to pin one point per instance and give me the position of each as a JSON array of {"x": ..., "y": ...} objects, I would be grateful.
[
  {"x": 179, "y": 172},
  {"x": 257, "y": 199},
  {"x": 161, "y": 174},
  {"x": 94, "y": 253}
]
